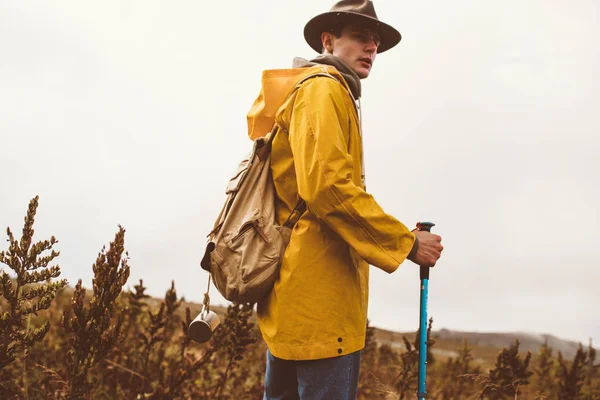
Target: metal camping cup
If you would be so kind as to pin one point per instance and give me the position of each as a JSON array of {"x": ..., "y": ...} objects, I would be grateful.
[{"x": 202, "y": 327}]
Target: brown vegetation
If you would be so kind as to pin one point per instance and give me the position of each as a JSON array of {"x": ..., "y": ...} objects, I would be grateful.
[{"x": 107, "y": 343}]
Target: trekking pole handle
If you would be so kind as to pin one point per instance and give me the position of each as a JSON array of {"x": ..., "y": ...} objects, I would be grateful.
[{"x": 425, "y": 226}]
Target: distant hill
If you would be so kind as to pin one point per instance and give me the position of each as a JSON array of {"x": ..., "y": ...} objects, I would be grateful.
[
  {"x": 528, "y": 341},
  {"x": 485, "y": 346}
]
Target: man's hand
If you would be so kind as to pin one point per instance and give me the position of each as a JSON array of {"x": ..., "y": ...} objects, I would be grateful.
[{"x": 429, "y": 250}]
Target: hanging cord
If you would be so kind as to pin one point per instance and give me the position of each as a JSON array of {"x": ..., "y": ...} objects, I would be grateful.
[{"x": 206, "y": 301}]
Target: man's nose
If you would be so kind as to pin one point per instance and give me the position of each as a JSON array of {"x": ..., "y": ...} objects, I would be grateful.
[{"x": 371, "y": 46}]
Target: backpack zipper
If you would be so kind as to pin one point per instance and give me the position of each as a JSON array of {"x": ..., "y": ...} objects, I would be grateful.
[
  {"x": 246, "y": 227},
  {"x": 260, "y": 231}
]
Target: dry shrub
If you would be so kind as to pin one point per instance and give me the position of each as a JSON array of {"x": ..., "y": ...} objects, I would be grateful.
[{"x": 110, "y": 343}]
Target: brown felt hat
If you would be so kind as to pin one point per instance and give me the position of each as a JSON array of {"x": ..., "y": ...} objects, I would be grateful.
[{"x": 361, "y": 12}]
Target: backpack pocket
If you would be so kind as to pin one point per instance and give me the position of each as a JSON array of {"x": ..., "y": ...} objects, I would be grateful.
[
  {"x": 254, "y": 245},
  {"x": 252, "y": 255}
]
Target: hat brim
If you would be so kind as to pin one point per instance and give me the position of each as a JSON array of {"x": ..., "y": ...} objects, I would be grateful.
[{"x": 389, "y": 36}]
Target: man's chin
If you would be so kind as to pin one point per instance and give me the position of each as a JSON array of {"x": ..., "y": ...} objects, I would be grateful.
[{"x": 363, "y": 73}]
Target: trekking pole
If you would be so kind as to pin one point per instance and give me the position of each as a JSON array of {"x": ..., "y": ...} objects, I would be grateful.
[{"x": 422, "y": 390}]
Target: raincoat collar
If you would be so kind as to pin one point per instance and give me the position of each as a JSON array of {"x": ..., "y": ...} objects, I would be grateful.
[{"x": 348, "y": 73}]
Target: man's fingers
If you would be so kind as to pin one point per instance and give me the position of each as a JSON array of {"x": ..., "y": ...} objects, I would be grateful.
[{"x": 430, "y": 249}]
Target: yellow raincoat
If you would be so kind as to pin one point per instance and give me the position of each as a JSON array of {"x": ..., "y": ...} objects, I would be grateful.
[{"x": 318, "y": 307}]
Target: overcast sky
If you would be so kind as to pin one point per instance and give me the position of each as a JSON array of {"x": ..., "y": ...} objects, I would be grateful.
[{"x": 485, "y": 120}]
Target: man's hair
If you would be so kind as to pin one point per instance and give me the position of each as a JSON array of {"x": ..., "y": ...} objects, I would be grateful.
[{"x": 336, "y": 30}]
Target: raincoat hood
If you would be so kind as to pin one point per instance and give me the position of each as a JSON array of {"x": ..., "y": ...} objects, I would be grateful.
[{"x": 277, "y": 84}]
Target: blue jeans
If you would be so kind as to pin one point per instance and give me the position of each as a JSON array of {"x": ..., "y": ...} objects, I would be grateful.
[{"x": 327, "y": 379}]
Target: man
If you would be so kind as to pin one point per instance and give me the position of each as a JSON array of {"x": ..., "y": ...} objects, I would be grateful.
[{"x": 314, "y": 319}]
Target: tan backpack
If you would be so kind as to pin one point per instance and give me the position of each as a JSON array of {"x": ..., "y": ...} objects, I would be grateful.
[{"x": 246, "y": 245}]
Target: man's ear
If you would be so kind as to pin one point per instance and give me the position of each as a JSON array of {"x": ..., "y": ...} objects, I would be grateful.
[{"x": 327, "y": 42}]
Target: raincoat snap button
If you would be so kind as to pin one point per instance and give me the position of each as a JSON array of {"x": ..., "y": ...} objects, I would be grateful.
[
  {"x": 339, "y": 351},
  {"x": 340, "y": 339}
]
